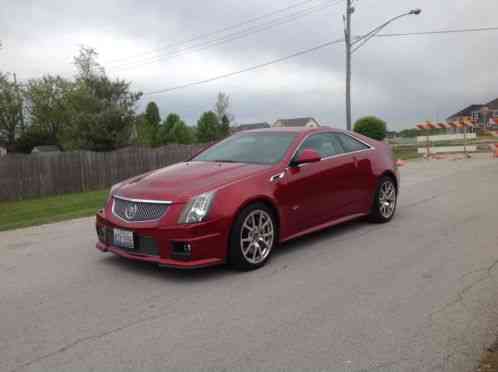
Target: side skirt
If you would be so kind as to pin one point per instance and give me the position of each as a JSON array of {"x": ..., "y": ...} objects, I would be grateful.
[{"x": 324, "y": 226}]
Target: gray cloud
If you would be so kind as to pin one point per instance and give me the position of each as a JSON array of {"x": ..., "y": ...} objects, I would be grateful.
[{"x": 404, "y": 80}]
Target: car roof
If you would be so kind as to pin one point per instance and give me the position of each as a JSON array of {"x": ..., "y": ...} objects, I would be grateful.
[{"x": 302, "y": 130}]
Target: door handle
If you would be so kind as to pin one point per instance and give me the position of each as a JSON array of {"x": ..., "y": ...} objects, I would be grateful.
[{"x": 277, "y": 177}]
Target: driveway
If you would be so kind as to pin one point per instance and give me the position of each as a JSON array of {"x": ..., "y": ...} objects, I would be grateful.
[{"x": 418, "y": 294}]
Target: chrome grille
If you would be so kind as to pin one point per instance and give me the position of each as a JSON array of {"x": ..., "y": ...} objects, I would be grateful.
[{"x": 138, "y": 211}]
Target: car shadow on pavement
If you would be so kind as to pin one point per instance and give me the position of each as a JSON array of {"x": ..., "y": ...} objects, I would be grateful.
[
  {"x": 332, "y": 234},
  {"x": 151, "y": 270},
  {"x": 291, "y": 250}
]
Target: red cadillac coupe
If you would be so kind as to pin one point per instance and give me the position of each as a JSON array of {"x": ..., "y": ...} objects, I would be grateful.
[{"x": 236, "y": 200}]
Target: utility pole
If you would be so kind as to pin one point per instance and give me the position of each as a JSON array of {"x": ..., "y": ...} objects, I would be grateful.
[
  {"x": 347, "y": 34},
  {"x": 357, "y": 44}
]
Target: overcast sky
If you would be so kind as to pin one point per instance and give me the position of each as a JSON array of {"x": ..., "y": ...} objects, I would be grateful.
[{"x": 403, "y": 80}]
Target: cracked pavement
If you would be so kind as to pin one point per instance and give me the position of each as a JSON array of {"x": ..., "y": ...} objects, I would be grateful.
[{"x": 418, "y": 294}]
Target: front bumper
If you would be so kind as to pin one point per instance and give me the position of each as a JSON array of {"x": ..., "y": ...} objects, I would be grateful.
[{"x": 159, "y": 244}]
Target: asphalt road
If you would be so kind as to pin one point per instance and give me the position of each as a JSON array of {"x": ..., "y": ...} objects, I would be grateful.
[{"x": 418, "y": 294}]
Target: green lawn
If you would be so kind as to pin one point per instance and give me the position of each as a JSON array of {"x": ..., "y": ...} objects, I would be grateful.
[{"x": 14, "y": 215}]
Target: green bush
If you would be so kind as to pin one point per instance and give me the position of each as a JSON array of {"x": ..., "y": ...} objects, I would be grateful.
[
  {"x": 34, "y": 137},
  {"x": 372, "y": 127}
]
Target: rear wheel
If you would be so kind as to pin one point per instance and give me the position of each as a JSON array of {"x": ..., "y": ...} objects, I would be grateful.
[
  {"x": 385, "y": 201},
  {"x": 253, "y": 237}
]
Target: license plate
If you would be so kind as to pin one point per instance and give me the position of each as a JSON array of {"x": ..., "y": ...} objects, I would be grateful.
[{"x": 123, "y": 238}]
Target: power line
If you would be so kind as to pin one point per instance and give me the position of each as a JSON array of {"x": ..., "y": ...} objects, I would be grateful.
[
  {"x": 278, "y": 60},
  {"x": 221, "y": 30},
  {"x": 457, "y": 31},
  {"x": 226, "y": 38},
  {"x": 306, "y": 51},
  {"x": 482, "y": 29}
]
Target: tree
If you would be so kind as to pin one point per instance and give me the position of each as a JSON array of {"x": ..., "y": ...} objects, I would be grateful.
[
  {"x": 102, "y": 111},
  {"x": 152, "y": 115},
  {"x": 11, "y": 106},
  {"x": 208, "y": 127},
  {"x": 165, "y": 131},
  {"x": 182, "y": 133},
  {"x": 144, "y": 132},
  {"x": 409, "y": 133},
  {"x": 47, "y": 106},
  {"x": 225, "y": 126},
  {"x": 148, "y": 128},
  {"x": 86, "y": 64},
  {"x": 221, "y": 107},
  {"x": 32, "y": 137},
  {"x": 372, "y": 127},
  {"x": 174, "y": 130}
]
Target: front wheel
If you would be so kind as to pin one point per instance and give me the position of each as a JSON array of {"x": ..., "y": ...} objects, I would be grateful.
[
  {"x": 385, "y": 201},
  {"x": 253, "y": 237}
]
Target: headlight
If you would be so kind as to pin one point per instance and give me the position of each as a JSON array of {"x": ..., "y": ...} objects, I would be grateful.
[{"x": 197, "y": 208}]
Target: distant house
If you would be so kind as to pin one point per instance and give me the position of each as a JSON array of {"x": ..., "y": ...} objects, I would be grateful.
[
  {"x": 472, "y": 111},
  {"x": 3, "y": 151},
  {"x": 252, "y": 126},
  {"x": 475, "y": 112},
  {"x": 297, "y": 122},
  {"x": 48, "y": 149}
]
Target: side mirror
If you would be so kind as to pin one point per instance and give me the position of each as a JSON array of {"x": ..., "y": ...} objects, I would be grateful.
[{"x": 307, "y": 156}]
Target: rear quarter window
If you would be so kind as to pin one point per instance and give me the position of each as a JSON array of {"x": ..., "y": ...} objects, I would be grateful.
[{"x": 351, "y": 144}]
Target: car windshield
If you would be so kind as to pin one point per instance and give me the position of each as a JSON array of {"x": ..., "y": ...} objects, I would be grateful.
[{"x": 256, "y": 148}]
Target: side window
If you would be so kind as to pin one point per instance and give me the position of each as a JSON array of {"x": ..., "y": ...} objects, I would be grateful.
[
  {"x": 350, "y": 144},
  {"x": 326, "y": 144}
]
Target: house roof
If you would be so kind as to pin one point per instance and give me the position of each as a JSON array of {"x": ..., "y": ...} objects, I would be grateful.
[
  {"x": 251, "y": 126},
  {"x": 46, "y": 148},
  {"x": 296, "y": 122},
  {"x": 493, "y": 105},
  {"x": 466, "y": 111}
]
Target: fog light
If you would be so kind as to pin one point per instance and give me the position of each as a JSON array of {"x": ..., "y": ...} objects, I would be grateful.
[
  {"x": 102, "y": 233},
  {"x": 181, "y": 250}
]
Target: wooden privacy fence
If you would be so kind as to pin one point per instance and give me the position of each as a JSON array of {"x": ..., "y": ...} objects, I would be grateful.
[{"x": 29, "y": 176}]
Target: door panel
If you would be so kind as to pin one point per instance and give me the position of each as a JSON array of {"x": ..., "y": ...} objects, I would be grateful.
[
  {"x": 341, "y": 172},
  {"x": 314, "y": 193},
  {"x": 338, "y": 186},
  {"x": 361, "y": 178},
  {"x": 366, "y": 182},
  {"x": 301, "y": 193}
]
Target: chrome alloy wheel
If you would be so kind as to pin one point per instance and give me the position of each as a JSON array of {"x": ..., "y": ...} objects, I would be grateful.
[
  {"x": 256, "y": 236},
  {"x": 387, "y": 199}
]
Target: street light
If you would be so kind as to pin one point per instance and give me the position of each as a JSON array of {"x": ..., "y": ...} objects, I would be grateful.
[
  {"x": 357, "y": 44},
  {"x": 362, "y": 40}
]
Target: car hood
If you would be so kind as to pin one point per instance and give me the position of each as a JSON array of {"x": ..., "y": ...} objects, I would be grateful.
[{"x": 180, "y": 182}]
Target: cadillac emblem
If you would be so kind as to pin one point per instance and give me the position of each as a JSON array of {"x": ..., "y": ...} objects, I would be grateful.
[{"x": 131, "y": 211}]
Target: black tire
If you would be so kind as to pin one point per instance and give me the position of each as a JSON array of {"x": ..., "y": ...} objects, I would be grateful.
[
  {"x": 237, "y": 258},
  {"x": 378, "y": 213}
]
